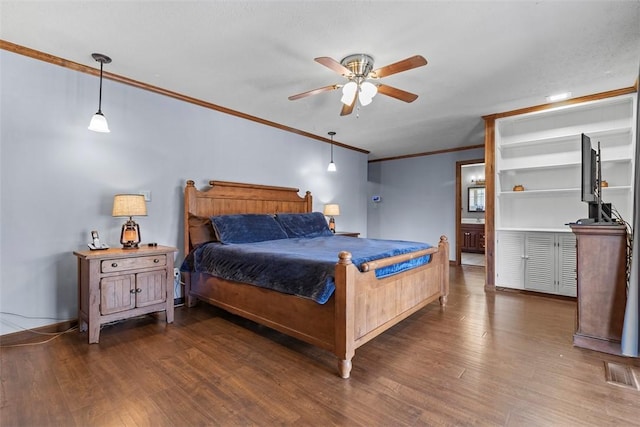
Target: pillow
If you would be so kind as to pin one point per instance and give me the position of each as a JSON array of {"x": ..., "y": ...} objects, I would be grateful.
[
  {"x": 247, "y": 228},
  {"x": 200, "y": 230},
  {"x": 311, "y": 224}
]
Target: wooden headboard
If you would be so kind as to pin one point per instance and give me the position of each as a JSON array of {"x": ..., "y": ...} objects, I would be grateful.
[{"x": 227, "y": 198}]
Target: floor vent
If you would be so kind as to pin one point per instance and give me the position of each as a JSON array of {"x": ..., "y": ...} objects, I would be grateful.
[{"x": 620, "y": 375}]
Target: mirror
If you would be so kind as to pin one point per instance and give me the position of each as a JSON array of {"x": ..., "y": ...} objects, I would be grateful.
[{"x": 476, "y": 199}]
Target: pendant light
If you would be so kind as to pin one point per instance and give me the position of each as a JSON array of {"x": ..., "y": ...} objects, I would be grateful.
[
  {"x": 332, "y": 166},
  {"x": 98, "y": 121}
]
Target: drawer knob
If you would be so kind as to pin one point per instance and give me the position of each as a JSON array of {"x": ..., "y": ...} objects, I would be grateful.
[
  {"x": 114, "y": 264},
  {"x": 156, "y": 260},
  {"x": 132, "y": 291},
  {"x": 138, "y": 290}
]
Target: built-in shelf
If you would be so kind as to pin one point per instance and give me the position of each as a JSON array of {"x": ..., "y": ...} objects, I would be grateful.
[
  {"x": 559, "y": 229},
  {"x": 542, "y": 151},
  {"x": 617, "y": 136},
  {"x": 527, "y": 193}
]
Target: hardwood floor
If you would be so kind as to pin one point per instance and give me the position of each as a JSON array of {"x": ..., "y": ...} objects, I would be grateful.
[{"x": 496, "y": 359}]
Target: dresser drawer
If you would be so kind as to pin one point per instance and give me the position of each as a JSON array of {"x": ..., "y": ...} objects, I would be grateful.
[{"x": 122, "y": 264}]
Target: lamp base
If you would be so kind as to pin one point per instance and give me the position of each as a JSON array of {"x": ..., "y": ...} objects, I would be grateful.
[{"x": 130, "y": 236}]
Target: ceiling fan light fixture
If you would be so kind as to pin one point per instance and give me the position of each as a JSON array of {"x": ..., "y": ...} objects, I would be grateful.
[
  {"x": 358, "y": 70},
  {"x": 367, "y": 92},
  {"x": 368, "y": 89},
  {"x": 349, "y": 93}
]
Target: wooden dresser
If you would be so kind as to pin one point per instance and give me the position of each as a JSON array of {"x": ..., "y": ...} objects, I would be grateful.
[
  {"x": 602, "y": 286},
  {"x": 116, "y": 284}
]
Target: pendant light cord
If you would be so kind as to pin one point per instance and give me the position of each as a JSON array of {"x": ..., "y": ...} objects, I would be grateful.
[{"x": 100, "y": 93}]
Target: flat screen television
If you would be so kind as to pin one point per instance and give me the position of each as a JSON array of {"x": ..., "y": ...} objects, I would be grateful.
[
  {"x": 589, "y": 171},
  {"x": 591, "y": 177}
]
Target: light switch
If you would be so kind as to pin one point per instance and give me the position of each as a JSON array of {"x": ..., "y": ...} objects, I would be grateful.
[{"x": 146, "y": 194}]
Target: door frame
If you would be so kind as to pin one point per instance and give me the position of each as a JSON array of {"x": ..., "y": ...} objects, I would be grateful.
[{"x": 459, "y": 165}]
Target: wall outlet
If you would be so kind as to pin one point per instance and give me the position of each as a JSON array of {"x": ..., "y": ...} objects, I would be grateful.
[{"x": 176, "y": 273}]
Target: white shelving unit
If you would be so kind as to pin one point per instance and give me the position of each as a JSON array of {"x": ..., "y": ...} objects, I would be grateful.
[{"x": 542, "y": 152}]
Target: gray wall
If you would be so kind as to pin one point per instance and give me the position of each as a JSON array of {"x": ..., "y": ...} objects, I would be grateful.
[
  {"x": 57, "y": 178},
  {"x": 417, "y": 197}
]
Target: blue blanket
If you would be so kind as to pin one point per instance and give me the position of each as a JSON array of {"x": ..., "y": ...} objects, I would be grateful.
[{"x": 298, "y": 266}]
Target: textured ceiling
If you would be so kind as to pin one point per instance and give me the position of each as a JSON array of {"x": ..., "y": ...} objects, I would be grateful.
[{"x": 484, "y": 57}]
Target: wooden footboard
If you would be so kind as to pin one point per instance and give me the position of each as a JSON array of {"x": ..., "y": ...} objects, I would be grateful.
[
  {"x": 362, "y": 306},
  {"x": 367, "y": 306}
]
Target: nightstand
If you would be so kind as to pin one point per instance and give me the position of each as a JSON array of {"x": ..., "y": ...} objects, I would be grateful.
[
  {"x": 116, "y": 284},
  {"x": 347, "y": 233}
]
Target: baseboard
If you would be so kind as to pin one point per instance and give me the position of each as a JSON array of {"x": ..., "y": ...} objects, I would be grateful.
[
  {"x": 28, "y": 337},
  {"x": 533, "y": 293}
]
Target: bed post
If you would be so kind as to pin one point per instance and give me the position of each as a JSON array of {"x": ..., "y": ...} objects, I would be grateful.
[
  {"x": 189, "y": 206},
  {"x": 443, "y": 252},
  {"x": 344, "y": 313}
]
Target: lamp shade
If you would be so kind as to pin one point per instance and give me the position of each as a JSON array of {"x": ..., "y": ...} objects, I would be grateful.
[
  {"x": 129, "y": 205},
  {"x": 99, "y": 123},
  {"x": 332, "y": 210}
]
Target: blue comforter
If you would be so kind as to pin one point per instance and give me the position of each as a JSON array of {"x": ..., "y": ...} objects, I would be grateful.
[{"x": 298, "y": 266}]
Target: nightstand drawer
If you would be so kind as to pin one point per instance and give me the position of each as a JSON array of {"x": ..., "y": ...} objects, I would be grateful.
[{"x": 122, "y": 264}]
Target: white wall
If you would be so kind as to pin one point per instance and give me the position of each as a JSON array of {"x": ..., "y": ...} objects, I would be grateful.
[
  {"x": 417, "y": 197},
  {"x": 57, "y": 179}
]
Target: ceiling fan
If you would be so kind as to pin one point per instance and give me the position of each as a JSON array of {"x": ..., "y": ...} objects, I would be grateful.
[{"x": 363, "y": 82}]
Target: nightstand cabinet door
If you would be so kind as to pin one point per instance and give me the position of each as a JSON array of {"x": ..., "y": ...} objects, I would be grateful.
[
  {"x": 151, "y": 288},
  {"x": 117, "y": 294}
]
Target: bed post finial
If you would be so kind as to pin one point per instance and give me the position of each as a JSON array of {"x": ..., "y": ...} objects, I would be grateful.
[
  {"x": 345, "y": 257},
  {"x": 191, "y": 183},
  {"x": 444, "y": 238}
]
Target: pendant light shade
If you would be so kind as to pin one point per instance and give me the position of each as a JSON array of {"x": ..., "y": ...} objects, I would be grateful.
[
  {"x": 98, "y": 121},
  {"x": 332, "y": 166}
]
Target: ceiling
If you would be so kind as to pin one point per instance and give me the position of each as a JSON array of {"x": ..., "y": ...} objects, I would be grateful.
[{"x": 484, "y": 57}]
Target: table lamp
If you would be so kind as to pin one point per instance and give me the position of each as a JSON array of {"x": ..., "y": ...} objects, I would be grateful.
[
  {"x": 332, "y": 210},
  {"x": 129, "y": 205}
]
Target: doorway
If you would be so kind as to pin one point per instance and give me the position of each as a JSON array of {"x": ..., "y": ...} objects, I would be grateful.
[{"x": 470, "y": 212}]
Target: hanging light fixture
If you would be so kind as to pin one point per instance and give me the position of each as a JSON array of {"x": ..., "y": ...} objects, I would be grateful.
[
  {"x": 332, "y": 166},
  {"x": 98, "y": 121}
]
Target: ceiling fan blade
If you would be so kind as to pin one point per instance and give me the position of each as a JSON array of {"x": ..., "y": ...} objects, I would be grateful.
[
  {"x": 397, "y": 93},
  {"x": 397, "y": 67},
  {"x": 333, "y": 65},
  {"x": 348, "y": 109},
  {"x": 313, "y": 92}
]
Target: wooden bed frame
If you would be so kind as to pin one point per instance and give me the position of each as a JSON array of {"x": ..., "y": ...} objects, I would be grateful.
[{"x": 362, "y": 306}]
